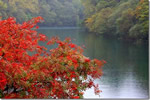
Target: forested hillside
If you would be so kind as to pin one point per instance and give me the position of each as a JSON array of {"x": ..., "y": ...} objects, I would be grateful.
[
  {"x": 127, "y": 19},
  {"x": 55, "y": 12}
]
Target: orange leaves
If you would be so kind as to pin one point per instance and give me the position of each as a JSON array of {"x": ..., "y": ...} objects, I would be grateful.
[
  {"x": 42, "y": 37},
  {"x": 37, "y": 27},
  {"x": 99, "y": 63},
  {"x": 76, "y": 97},
  {"x": 3, "y": 81},
  {"x": 87, "y": 60},
  {"x": 74, "y": 62},
  {"x": 1, "y": 52},
  {"x": 96, "y": 89},
  {"x": 15, "y": 41},
  {"x": 72, "y": 45},
  {"x": 12, "y": 96},
  {"x": 60, "y": 73}
]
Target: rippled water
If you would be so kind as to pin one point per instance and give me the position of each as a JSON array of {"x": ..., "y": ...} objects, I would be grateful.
[{"x": 126, "y": 71}]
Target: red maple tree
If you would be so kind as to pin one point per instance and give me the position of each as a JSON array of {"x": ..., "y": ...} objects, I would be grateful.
[{"x": 27, "y": 70}]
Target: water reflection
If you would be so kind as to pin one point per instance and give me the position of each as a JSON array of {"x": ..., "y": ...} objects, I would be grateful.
[{"x": 126, "y": 71}]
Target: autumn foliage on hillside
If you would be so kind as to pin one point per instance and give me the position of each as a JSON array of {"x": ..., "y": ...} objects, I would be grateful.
[{"x": 28, "y": 70}]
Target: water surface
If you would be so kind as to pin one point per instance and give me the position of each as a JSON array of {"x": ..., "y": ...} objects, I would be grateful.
[{"x": 126, "y": 71}]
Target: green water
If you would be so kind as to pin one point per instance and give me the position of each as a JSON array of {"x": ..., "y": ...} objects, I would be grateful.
[{"x": 126, "y": 71}]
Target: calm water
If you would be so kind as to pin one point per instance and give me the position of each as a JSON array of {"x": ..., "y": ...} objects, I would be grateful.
[{"x": 126, "y": 71}]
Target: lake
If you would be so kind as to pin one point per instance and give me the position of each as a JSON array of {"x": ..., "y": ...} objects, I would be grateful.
[{"x": 126, "y": 72}]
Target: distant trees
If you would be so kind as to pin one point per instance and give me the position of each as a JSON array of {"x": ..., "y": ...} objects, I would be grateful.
[
  {"x": 99, "y": 21},
  {"x": 55, "y": 12},
  {"x": 142, "y": 14},
  {"x": 126, "y": 19}
]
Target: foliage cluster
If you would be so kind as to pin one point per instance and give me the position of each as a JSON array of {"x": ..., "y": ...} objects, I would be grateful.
[
  {"x": 55, "y": 12},
  {"x": 127, "y": 19},
  {"x": 63, "y": 72}
]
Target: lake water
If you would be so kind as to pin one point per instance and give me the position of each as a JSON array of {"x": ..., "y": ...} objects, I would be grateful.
[{"x": 126, "y": 72}]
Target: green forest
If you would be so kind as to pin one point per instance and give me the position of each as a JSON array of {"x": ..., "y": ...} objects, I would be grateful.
[
  {"x": 54, "y": 12},
  {"x": 125, "y": 19}
]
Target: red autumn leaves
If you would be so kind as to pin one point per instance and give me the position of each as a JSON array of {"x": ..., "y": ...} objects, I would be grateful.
[
  {"x": 29, "y": 71},
  {"x": 3, "y": 81}
]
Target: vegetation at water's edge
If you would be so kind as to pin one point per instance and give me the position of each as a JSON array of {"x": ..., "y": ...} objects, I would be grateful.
[
  {"x": 124, "y": 19},
  {"x": 55, "y": 12},
  {"x": 127, "y": 19},
  {"x": 63, "y": 72}
]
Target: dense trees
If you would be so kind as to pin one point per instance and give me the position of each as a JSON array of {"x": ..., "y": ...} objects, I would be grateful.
[
  {"x": 55, "y": 12},
  {"x": 126, "y": 19},
  {"x": 61, "y": 72},
  {"x": 142, "y": 14}
]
